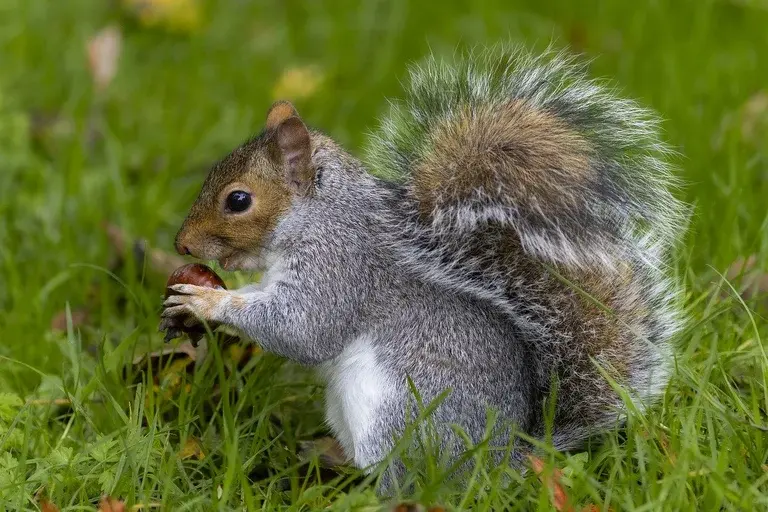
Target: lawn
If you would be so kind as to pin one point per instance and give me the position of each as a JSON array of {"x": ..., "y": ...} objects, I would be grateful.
[{"x": 82, "y": 417}]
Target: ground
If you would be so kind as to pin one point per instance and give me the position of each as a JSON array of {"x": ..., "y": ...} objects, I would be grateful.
[{"x": 79, "y": 419}]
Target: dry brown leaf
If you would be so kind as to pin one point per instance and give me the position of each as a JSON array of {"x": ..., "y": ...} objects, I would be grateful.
[
  {"x": 103, "y": 55},
  {"x": 47, "y": 506},
  {"x": 407, "y": 507},
  {"x": 59, "y": 320},
  {"x": 664, "y": 442},
  {"x": 52, "y": 401},
  {"x": 552, "y": 482},
  {"x": 297, "y": 83},
  {"x": 169, "y": 368},
  {"x": 415, "y": 507},
  {"x": 109, "y": 504},
  {"x": 192, "y": 448},
  {"x": 239, "y": 354},
  {"x": 329, "y": 452},
  {"x": 185, "y": 348},
  {"x": 560, "y": 500}
]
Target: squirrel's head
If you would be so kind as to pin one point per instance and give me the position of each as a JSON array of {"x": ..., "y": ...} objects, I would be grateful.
[{"x": 247, "y": 192}]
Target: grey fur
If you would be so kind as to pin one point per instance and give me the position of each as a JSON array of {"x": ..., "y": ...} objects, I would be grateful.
[
  {"x": 343, "y": 279},
  {"x": 483, "y": 297}
]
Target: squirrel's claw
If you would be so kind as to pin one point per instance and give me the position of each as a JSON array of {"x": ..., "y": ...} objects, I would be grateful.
[
  {"x": 195, "y": 304},
  {"x": 175, "y": 300},
  {"x": 190, "y": 322},
  {"x": 186, "y": 289},
  {"x": 164, "y": 325},
  {"x": 175, "y": 311},
  {"x": 172, "y": 334},
  {"x": 170, "y": 327}
]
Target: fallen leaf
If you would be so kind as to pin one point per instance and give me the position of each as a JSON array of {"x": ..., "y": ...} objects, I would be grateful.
[
  {"x": 103, "y": 55},
  {"x": 172, "y": 15},
  {"x": 329, "y": 452},
  {"x": 552, "y": 482},
  {"x": 170, "y": 377},
  {"x": 192, "y": 448},
  {"x": 109, "y": 504},
  {"x": 47, "y": 506},
  {"x": 239, "y": 353},
  {"x": 415, "y": 507},
  {"x": 664, "y": 442},
  {"x": 754, "y": 118},
  {"x": 79, "y": 318},
  {"x": 185, "y": 348},
  {"x": 54, "y": 401},
  {"x": 407, "y": 507},
  {"x": 297, "y": 83},
  {"x": 168, "y": 368},
  {"x": 168, "y": 372}
]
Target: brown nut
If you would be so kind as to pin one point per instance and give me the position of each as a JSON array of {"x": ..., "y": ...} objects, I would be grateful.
[{"x": 196, "y": 274}]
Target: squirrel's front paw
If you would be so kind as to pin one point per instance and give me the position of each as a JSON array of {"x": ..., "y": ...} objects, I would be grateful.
[{"x": 198, "y": 302}]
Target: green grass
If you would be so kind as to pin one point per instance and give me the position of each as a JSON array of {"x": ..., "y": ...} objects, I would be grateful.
[{"x": 181, "y": 101}]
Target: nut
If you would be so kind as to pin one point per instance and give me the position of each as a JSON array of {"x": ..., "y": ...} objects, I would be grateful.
[{"x": 196, "y": 274}]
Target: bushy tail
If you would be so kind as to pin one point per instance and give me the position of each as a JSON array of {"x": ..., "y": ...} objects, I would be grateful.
[
  {"x": 501, "y": 136},
  {"x": 538, "y": 190}
]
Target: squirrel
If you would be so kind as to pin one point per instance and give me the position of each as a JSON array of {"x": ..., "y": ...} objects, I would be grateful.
[{"x": 508, "y": 239}]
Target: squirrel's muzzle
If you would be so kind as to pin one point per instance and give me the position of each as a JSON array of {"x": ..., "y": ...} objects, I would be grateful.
[
  {"x": 182, "y": 246},
  {"x": 182, "y": 249}
]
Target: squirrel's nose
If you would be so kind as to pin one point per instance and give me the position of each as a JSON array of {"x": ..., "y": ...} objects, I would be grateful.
[{"x": 182, "y": 249}]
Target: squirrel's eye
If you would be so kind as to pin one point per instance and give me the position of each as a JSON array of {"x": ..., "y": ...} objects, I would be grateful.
[{"x": 238, "y": 201}]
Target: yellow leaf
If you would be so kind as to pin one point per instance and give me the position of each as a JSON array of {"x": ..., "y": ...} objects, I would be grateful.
[
  {"x": 297, "y": 83},
  {"x": 192, "y": 448},
  {"x": 172, "y": 15},
  {"x": 236, "y": 353},
  {"x": 754, "y": 118}
]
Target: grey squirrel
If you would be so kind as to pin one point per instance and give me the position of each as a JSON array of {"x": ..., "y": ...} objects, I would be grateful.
[{"x": 516, "y": 235}]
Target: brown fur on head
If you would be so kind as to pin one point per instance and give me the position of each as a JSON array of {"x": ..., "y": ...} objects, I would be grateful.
[{"x": 247, "y": 192}]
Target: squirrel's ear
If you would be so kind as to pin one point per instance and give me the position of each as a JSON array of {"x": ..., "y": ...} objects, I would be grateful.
[
  {"x": 279, "y": 112},
  {"x": 293, "y": 141}
]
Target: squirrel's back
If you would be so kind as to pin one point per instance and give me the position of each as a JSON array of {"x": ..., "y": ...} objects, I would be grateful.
[{"x": 540, "y": 191}]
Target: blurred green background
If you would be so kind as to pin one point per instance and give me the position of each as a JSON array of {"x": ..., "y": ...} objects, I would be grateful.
[{"x": 195, "y": 78}]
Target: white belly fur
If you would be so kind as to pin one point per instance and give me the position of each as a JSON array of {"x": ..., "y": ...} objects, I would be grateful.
[{"x": 356, "y": 386}]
